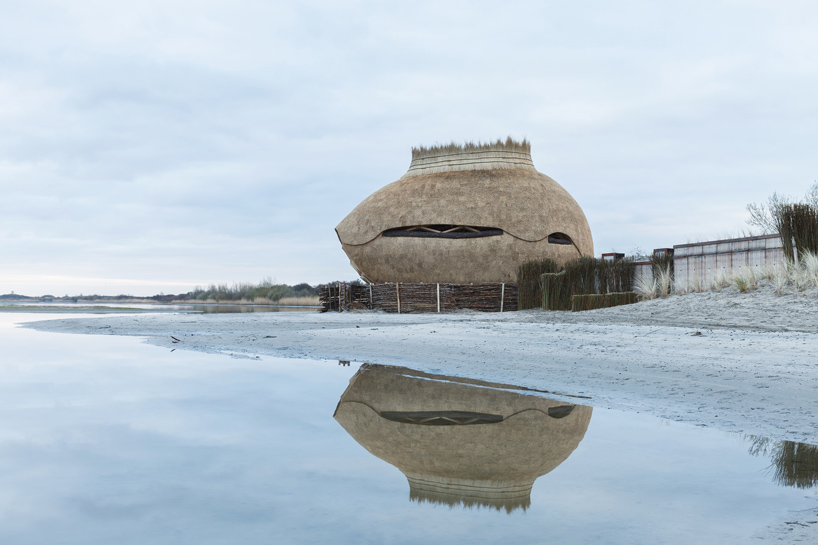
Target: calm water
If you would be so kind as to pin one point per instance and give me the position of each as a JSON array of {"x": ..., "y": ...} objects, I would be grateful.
[
  {"x": 107, "y": 440},
  {"x": 105, "y": 308}
]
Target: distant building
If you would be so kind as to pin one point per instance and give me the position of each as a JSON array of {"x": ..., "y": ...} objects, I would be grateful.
[{"x": 464, "y": 214}]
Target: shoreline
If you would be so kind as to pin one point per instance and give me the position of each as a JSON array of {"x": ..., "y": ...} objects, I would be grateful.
[{"x": 745, "y": 363}]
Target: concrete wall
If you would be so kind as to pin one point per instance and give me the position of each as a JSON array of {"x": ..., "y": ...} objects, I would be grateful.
[
  {"x": 642, "y": 270},
  {"x": 703, "y": 262}
]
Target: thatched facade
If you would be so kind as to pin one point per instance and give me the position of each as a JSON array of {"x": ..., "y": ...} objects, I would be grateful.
[
  {"x": 458, "y": 441},
  {"x": 464, "y": 214}
]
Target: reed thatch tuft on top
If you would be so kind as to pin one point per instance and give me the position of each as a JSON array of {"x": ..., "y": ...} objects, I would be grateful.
[
  {"x": 470, "y": 156},
  {"x": 509, "y": 145}
]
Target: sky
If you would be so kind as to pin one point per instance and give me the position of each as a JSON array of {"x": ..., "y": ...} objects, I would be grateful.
[{"x": 153, "y": 146}]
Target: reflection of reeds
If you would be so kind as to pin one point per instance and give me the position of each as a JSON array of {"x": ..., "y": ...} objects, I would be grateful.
[
  {"x": 508, "y": 505},
  {"x": 794, "y": 464}
]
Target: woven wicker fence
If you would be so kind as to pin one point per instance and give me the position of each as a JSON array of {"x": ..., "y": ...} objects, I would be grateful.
[
  {"x": 419, "y": 297},
  {"x": 343, "y": 296}
]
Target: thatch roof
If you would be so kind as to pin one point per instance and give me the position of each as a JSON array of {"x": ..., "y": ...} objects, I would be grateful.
[
  {"x": 491, "y": 464},
  {"x": 493, "y": 186},
  {"x": 523, "y": 203},
  {"x": 483, "y": 187}
]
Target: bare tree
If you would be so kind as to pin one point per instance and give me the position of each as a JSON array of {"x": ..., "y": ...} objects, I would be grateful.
[{"x": 763, "y": 215}]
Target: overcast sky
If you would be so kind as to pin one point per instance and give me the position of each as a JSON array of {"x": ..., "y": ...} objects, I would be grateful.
[{"x": 155, "y": 146}]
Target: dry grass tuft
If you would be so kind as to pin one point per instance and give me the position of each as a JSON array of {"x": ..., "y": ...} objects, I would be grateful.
[
  {"x": 746, "y": 280},
  {"x": 645, "y": 288},
  {"x": 780, "y": 278},
  {"x": 721, "y": 281},
  {"x": 809, "y": 264},
  {"x": 665, "y": 281}
]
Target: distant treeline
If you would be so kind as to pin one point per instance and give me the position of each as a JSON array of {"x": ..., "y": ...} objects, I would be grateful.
[
  {"x": 264, "y": 290},
  {"x": 250, "y": 292}
]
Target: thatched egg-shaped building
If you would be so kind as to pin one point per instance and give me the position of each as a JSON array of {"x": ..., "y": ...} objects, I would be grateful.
[
  {"x": 464, "y": 214},
  {"x": 460, "y": 441}
]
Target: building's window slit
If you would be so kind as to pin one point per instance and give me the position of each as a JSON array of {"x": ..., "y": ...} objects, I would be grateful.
[
  {"x": 443, "y": 231},
  {"x": 559, "y": 238}
]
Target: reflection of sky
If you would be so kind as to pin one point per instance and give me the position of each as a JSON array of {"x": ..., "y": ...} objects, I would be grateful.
[{"x": 105, "y": 439}]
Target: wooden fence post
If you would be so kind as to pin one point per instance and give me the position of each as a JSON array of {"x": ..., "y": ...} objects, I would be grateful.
[
  {"x": 502, "y": 295},
  {"x": 438, "y": 297},
  {"x": 397, "y": 290}
]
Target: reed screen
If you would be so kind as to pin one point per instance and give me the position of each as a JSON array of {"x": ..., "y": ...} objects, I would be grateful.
[
  {"x": 797, "y": 225},
  {"x": 582, "y": 276}
]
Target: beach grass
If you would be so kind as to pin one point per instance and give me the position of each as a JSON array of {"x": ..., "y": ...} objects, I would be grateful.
[{"x": 799, "y": 277}]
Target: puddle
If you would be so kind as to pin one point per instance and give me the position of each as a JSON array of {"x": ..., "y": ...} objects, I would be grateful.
[{"x": 106, "y": 439}]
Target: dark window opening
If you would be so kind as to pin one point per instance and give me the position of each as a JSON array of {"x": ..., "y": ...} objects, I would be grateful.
[
  {"x": 442, "y": 418},
  {"x": 443, "y": 231},
  {"x": 559, "y": 238},
  {"x": 560, "y": 411}
]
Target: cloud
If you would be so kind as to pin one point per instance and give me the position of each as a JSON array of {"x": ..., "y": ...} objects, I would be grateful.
[{"x": 211, "y": 141}]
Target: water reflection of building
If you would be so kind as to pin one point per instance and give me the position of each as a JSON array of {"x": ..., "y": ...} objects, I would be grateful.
[
  {"x": 458, "y": 441},
  {"x": 793, "y": 464}
]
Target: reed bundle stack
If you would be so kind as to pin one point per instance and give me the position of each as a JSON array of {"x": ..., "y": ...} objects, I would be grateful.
[
  {"x": 460, "y": 441},
  {"x": 557, "y": 284},
  {"x": 797, "y": 225},
  {"x": 462, "y": 215}
]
